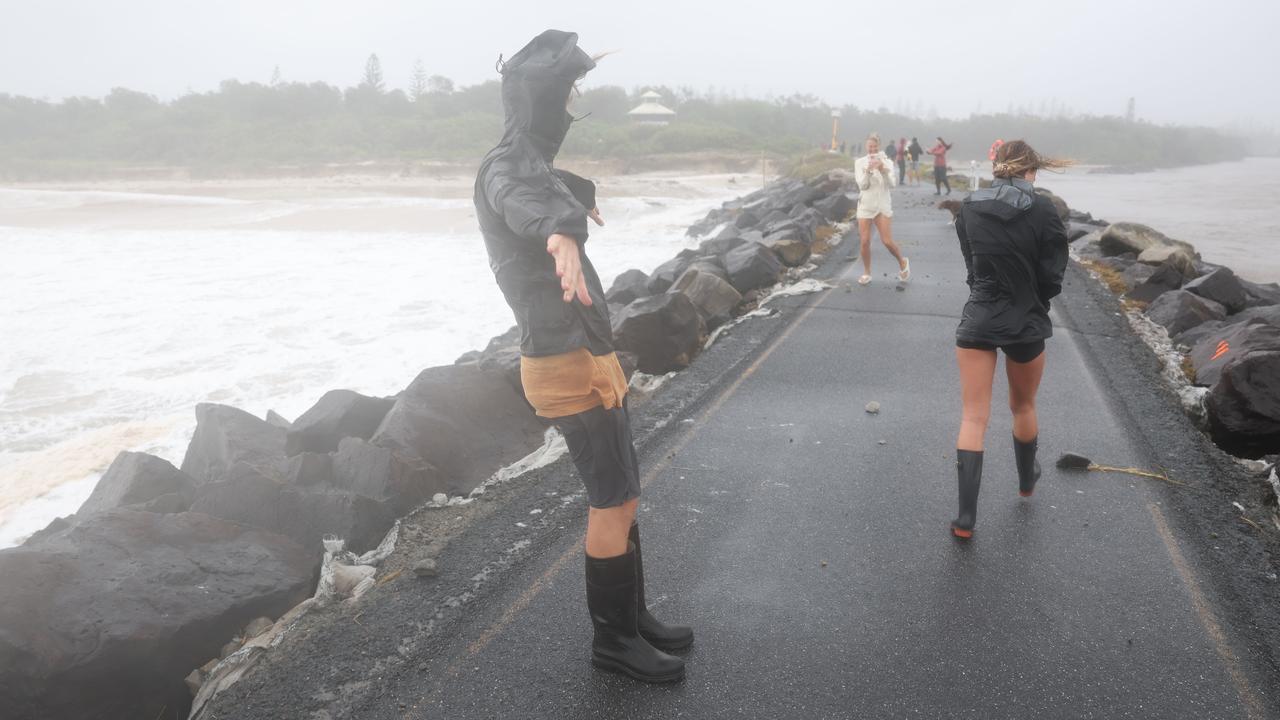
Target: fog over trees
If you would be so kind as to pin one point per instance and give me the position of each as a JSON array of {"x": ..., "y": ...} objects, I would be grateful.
[{"x": 248, "y": 127}]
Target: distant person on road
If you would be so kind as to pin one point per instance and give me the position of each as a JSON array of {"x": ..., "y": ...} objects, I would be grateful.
[
  {"x": 534, "y": 221},
  {"x": 915, "y": 151},
  {"x": 902, "y": 160},
  {"x": 875, "y": 176},
  {"x": 1015, "y": 250},
  {"x": 891, "y": 151},
  {"x": 939, "y": 153}
]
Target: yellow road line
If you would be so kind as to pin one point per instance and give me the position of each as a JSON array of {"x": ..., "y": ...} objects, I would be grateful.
[{"x": 1252, "y": 705}]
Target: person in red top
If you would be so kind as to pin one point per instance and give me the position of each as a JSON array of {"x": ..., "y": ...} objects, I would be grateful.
[{"x": 939, "y": 153}]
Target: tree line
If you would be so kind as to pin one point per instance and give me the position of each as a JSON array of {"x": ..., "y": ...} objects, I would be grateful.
[{"x": 258, "y": 127}]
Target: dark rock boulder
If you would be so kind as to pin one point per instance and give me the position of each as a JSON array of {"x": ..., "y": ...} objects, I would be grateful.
[
  {"x": 1222, "y": 287},
  {"x": 1126, "y": 237},
  {"x": 308, "y": 469},
  {"x": 278, "y": 420},
  {"x": 1075, "y": 232},
  {"x": 752, "y": 266},
  {"x": 628, "y": 361},
  {"x": 465, "y": 422},
  {"x": 1260, "y": 295},
  {"x": 1135, "y": 275},
  {"x": 1218, "y": 349},
  {"x": 1090, "y": 249},
  {"x": 338, "y": 414},
  {"x": 789, "y": 241},
  {"x": 105, "y": 618},
  {"x": 628, "y": 286},
  {"x": 717, "y": 247},
  {"x": 225, "y": 436},
  {"x": 1194, "y": 335},
  {"x": 136, "y": 478},
  {"x": 713, "y": 296},
  {"x": 398, "y": 482},
  {"x": 746, "y": 219},
  {"x": 1180, "y": 310},
  {"x": 836, "y": 207},
  {"x": 665, "y": 274},
  {"x": 305, "y": 514},
  {"x": 1244, "y": 406},
  {"x": 706, "y": 224},
  {"x": 1170, "y": 254},
  {"x": 709, "y": 266},
  {"x": 1269, "y": 314},
  {"x": 664, "y": 331},
  {"x": 1165, "y": 278}
]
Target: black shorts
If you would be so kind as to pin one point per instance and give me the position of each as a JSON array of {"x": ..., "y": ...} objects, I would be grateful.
[
  {"x": 1017, "y": 352},
  {"x": 600, "y": 443}
]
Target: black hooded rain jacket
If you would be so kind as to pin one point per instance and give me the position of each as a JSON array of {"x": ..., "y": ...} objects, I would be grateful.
[
  {"x": 521, "y": 200},
  {"x": 1015, "y": 248}
]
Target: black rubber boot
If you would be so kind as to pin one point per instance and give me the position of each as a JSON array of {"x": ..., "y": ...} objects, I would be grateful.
[
  {"x": 618, "y": 645},
  {"x": 969, "y": 476},
  {"x": 1024, "y": 453},
  {"x": 660, "y": 635}
]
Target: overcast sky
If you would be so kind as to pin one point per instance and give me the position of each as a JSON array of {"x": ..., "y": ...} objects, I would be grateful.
[{"x": 1185, "y": 61}]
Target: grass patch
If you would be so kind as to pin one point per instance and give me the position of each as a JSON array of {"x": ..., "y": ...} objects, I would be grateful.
[
  {"x": 1110, "y": 277},
  {"x": 811, "y": 165},
  {"x": 1188, "y": 369}
]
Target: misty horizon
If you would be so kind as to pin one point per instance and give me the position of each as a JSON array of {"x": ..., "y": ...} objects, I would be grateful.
[{"x": 922, "y": 60}]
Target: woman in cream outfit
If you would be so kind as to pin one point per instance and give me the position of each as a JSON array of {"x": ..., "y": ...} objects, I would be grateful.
[{"x": 875, "y": 175}]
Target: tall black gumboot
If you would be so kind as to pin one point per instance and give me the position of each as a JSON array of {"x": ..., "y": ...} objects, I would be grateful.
[
  {"x": 969, "y": 479},
  {"x": 1024, "y": 453},
  {"x": 618, "y": 644},
  {"x": 659, "y": 634}
]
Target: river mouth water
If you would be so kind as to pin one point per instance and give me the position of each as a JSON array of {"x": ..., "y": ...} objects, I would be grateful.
[{"x": 1229, "y": 211}]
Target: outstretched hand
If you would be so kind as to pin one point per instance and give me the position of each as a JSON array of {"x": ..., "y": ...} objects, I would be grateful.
[{"x": 569, "y": 267}]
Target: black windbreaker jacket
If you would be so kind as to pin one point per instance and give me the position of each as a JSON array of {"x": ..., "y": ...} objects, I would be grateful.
[
  {"x": 1015, "y": 248},
  {"x": 521, "y": 200}
]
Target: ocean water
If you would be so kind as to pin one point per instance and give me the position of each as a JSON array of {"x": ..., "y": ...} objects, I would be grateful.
[
  {"x": 115, "y": 327},
  {"x": 1227, "y": 210}
]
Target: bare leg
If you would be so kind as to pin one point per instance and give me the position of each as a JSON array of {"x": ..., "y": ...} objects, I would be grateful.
[
  {"x": 1024, "y": 381},
  {"x": 977, "y": 369},
  {"x": 607, "y": 529},
  {"x": 864, "y": 234},
  {"x": 885, "y": 226}
]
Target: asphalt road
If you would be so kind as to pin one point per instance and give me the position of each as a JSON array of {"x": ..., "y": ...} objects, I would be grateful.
[{"x": 807, "y": 543}]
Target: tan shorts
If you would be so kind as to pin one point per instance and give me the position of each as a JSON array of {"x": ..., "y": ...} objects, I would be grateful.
[
  {"x": 573, "y": 382},
  {"x": 585, "y": 396}
]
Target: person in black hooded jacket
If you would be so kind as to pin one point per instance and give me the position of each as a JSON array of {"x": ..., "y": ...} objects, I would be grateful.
[
  {"x": 534, "y": 221},
  {"x": 1015, "y": 251}
]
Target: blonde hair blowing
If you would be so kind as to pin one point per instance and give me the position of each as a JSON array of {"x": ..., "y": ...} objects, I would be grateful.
[{"x": 1016, "y": 158}]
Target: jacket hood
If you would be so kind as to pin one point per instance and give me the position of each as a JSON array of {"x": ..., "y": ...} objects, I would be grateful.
[
  {"x": 536, "y": 83},
  {"x": 1006, "y": 199}
]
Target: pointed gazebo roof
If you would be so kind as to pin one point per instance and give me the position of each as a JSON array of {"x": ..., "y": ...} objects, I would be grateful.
[{"x": 651, "y": 109}]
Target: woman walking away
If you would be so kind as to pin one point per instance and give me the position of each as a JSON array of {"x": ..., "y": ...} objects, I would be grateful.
[
  {"x": 902, "y": 160},
  {"x": 1015, "y": 249},
  {"x": 534, "y": 221},
  {"x": 874, "y": 174},
  {"x": 939, "y": 153},
  {"x": 915, "y": 151}
]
